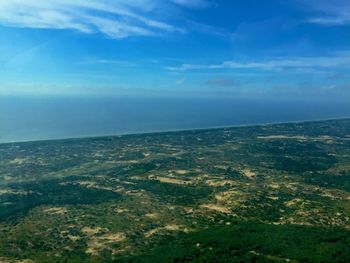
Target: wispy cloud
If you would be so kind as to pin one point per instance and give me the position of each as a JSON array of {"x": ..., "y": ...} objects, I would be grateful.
[
  {"x": 342, "y": 60},
  {"x": 211, "y": 30},
  {"x": 119, "y": 63},
  {"x": 330, "y": 13},
  {"x": 193, "y": 3},
  {"x": 330, "y": 21},
  {"x": 115, "y": 19}
]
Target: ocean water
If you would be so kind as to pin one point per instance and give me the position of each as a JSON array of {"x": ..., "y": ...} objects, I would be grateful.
[{"x": 23, "y": 119}]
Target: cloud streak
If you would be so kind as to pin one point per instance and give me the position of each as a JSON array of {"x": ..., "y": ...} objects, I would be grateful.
[
  {"x": 331, "y": 13},
  {"x": 340, "y": 61},
  {"x": 193, "y": 3},
  {"x": 115, "y": 19}
]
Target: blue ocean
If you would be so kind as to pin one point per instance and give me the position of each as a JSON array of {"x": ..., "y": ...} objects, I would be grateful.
[{"x": 42, "y": 118}]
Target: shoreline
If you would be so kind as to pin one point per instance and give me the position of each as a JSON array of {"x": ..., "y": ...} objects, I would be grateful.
[{"x": 173, "y": 131}]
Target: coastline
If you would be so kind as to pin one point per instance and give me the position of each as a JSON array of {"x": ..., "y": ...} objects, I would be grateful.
[{"x": 124, "y": 134}]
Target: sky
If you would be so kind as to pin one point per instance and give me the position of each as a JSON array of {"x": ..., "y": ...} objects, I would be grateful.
[{"x": 202, "y": 48}]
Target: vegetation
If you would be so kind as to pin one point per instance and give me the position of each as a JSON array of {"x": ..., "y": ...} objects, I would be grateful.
[{"x": 270, "y": 193}]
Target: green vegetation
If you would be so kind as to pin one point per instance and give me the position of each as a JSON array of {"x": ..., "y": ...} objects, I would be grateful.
[
  {"x": 270, "y": 193},
  {"x": 251, "y": 242}
]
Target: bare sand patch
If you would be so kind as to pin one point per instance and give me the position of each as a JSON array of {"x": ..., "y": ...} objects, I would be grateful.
[
  {"x": 182, "y": 172},
  {"x": 98, "y": 154},
  {"x": 172, "y": 227},
  {"x": 113, "y": 237},
  {"x": 275, "y": 186},
  {"x": 18, "y": 161},
  {"x": 217, "y": 208},
  {"x": 92, "y": 184},
  {"x": 137, "y": 177},
  {"x": 7, "y": 260},
  {"x": 100, "y": 239},
  {"x": 189, "y": 210},
  {"x": 127, "y": 182},
  {"x": 169, "y": 227},
  {"x": 296, "y": 221},
  {"x": 6, "y": 191},
  {"x": 326, "y": 138},
  {"x": 88, "y": 184},
  {"x": 278, "y": 137},
  {"x": 172, "y": 180},
  {"x": 121, "y": 210},
  {"x": 221, "y": 197},
  {"x": 74, "y": 238},
  {"x": 13, "y": 192},
  {"x": 98, "y": 243},
  {"x": 132, "y": 161},
  {"x": 89, "y": 231},
  {"x": 230, "y": 198},
  {"x": 152, "y": 232},
  {"x": 135, "y": 192},
  {"x": 334, "y": 194},
  {"x": 113, "y": 162},
  {"x": 293, "y": 202},
  {"x": 292, "y": 186},
  {"x": 56, "y": 210},
  {"x": 216, "y": 183},
  {"x": 248, "y": 173},
  {"x": 152, "y": 215}
]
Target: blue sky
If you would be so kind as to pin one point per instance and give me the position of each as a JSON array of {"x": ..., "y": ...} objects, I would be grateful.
[{"x": 238, "y": 48}]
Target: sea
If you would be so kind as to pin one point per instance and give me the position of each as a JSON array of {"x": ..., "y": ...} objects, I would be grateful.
[{"x": 44, "y": 118}]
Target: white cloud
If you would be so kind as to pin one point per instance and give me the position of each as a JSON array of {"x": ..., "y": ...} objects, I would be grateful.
[
  {"x": 330, "y": 21},
  {"x": 340, "y": 60},
  {"x": 119, "y": 63},
  {"x": 115, "y": 19},
  {"x": 193, "y": 3},
  {"x": 330, "y": 13}
]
